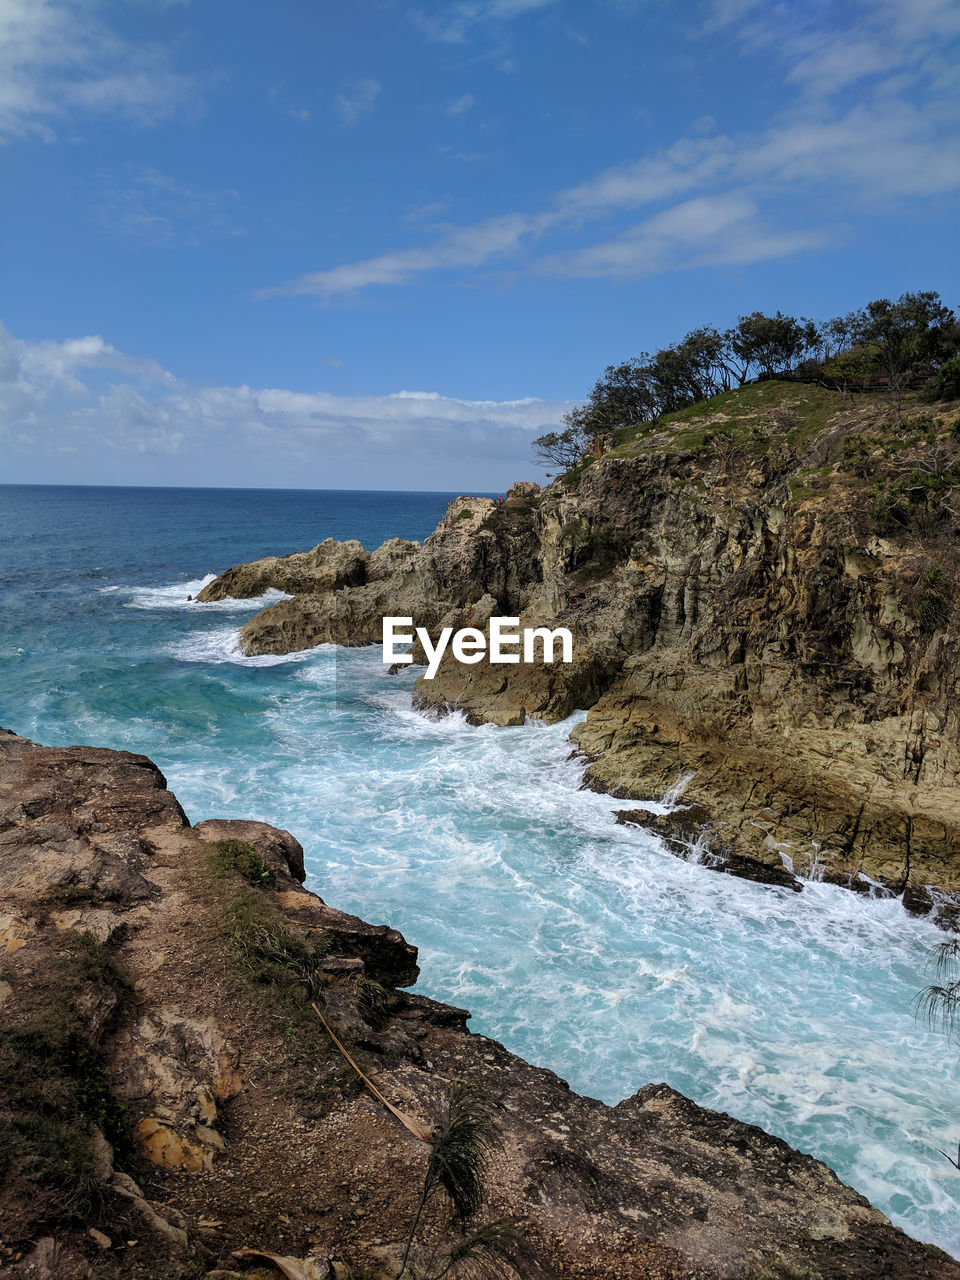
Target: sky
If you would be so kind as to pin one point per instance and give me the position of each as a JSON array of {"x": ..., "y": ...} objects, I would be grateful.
[{"x": 383, "y": 244}]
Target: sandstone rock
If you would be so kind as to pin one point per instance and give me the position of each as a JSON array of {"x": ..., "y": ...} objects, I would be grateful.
[
  {"x": 73, "y": 825},
  {"x": 385, "y": 954},
  {"x": 721, "y": 626},
  {"x": 281, "y": 851},
  {"x": 377, "y": 950},
  {"x": 161, "y": 1144},
  {"x": 179, "y": 1068},
  {"x": 327, "y": 567}
]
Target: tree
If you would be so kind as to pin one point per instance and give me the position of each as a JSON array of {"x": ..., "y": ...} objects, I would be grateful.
[
  {"x": 692, "y": 370},
  {"x": 940, "y": 1002},
  {"x": 946, "y": 384},
  {"x": 625, "y": 396},
  {"x": 906, "y": 339},
  {"x": 771, "y": 343},
  {"x": 706, "y": 350},
  {"x": 562, "y": 449}
]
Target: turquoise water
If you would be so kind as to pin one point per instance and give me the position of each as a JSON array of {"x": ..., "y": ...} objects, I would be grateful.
[{"x": 580, "y": 944}]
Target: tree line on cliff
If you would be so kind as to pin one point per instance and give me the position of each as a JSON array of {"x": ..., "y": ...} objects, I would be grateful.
[{"x": 910, "y": 344}]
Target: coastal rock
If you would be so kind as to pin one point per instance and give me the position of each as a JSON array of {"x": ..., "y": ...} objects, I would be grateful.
[
  {"x": 76, "y": 825},
  {"x": 746, "y": 625},
  {"x": 327, "y": 567},
  {"x": 459, "y": 563},
  {"x": 688, "y": 833},
  {"x": 263, "y": 1141},
  {"x": 280, "y": 851}
]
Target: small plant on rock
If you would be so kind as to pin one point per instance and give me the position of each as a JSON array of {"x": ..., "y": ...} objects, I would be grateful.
[
  {"x": 456, "y": 1169},
  {"x": 934, "y": 609},
  {"x": 242, "y": 857}
]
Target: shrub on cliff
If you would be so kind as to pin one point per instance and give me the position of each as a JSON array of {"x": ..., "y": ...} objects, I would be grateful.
[
  {"x": 907, "y": 343},
  {"x": 946, "y": 385}
]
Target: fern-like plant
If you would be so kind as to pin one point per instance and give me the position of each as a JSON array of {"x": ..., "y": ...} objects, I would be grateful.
[
  {"x": 939, "y": 1003},
  {"x": 461, "y": 1148}
]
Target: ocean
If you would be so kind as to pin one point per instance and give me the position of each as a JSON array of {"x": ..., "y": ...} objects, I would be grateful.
[{"x": 581, "y": 944}]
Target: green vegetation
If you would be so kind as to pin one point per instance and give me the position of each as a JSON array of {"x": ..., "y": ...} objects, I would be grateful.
[
  {"x": 516, "y": 514},
  {"x": 946, "y": 385},
  {"x": 372, "y": 1001},
  {"x": 593, "y": 549},
  {"x": 939, "y": 1003},
  {"x": 913, "y": 343},
  {"x": 920, "y": 500},
  {"x": 241, "y": 857},
  {"x": 271, "y": 954},
  {"x": 465, "y": 514},
  {"x": 934, "y": 609},
  {"x": 54, "y": 1089}
]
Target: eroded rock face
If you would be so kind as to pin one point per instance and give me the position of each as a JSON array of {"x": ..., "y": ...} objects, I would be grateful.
[
  {"x": 760, "y": 636},
  {"x": 460, "y": 562},
  {"x": 327, "y": 567},
  {"x": 381, "y": 952},
  {"x": 76, "y": 827},
  {"x": 251, "y": 1147}
]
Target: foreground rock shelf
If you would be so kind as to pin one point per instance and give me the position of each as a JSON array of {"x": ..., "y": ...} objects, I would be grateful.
[{"x": 237, "y": 1124}]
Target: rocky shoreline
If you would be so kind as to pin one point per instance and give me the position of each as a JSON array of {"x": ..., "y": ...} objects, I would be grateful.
[
  {"x": 204, "y": 1121},
  {"x": 741, "y": 614}
]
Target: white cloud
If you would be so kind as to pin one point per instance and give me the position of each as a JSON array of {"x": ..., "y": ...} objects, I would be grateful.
[
  {"x": 689, "y": 163},
  {"x": 357, "y": 99},
  {"x": 462, "y": 247},
  {"x": 458, "y": 23},
  {"x": 145, "y": 204},
  {"x": 882, "y": 154},
  {"x": 54, "y": 365},
  {"x": 706, "y": 231},
  {"x": 58, "y": 61},
  {"x": 457, "y": 106},
  {"x": 50, "y": 402},
  {"x": 825, "y": 57}
]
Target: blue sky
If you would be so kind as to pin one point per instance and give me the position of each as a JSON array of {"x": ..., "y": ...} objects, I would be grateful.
[{"x": 367, "y": 244}]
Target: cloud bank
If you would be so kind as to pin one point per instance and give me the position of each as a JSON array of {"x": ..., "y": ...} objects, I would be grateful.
[{"x": 66, "y": 416}]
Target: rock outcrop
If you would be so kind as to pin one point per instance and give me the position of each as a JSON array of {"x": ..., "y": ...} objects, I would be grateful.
[
  {"x": 157, "y": 1021},
  {"x": 760, "y": 596},
  {"x": 327, "y": 567}
]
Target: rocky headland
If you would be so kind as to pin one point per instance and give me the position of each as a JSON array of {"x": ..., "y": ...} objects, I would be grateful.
[
  {"x": 171, "y": 1104},
  {"x": 761, "y": 592}
]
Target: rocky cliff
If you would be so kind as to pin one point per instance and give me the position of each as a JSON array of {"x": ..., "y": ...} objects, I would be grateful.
[
  {"x": 761, "y": 593},
  {"x": 172, "y": 1106}
]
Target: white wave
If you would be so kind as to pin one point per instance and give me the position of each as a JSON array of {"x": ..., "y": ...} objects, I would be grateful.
[
  {"x": 223, "y": 645},
  {"x": 183, "y": 595},
  {"x": 585, "y": 945}
]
